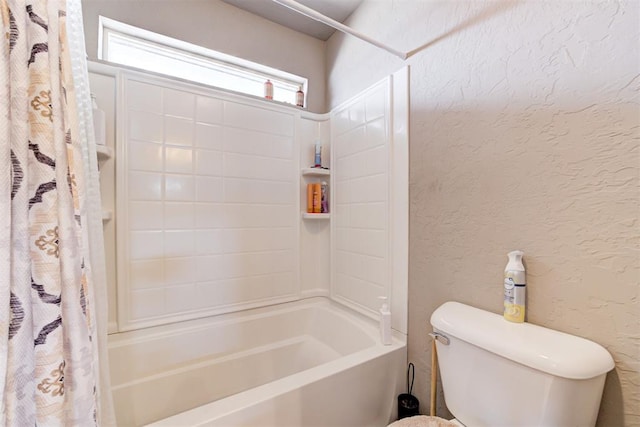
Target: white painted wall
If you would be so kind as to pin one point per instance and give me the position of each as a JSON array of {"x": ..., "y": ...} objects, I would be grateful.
[
  {"x": 222, "y": 27},
  {"x": 524, "y": 134}
]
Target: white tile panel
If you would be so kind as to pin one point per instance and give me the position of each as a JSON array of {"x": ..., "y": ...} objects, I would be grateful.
[
  {"x": 376, "y": 161},
  {"x": 340, "y": 122},
  {"x": 372, "y": 188},
  {"x": 179, "y": 215},
  {"x": 209, "y": 110},
  {"x": 144, "y": 97},
  {"x": 209, "y": 189},
  {"x": 258, "y": 239},
  {"x": 145, "y": 126},
  {"x": 208, "y": 163},
  {"x": 210, "y": 268},
  {"x": 208, "y": 136},
  {"x": 234, "y": 291},
  {"x": 178, "y": 131},
  {"x": 145, "y": 186},
  {"x": 362, "y": 241},
  {"x": 145, "y": 156},
  {"x": 351, "y": 142},
  {"x": 222, "y": 292},
  {"x": 179, "y": 188},
  {"x": 376, "y": 132},
  {"x": 243, "y": 216},
  {"x": 360, "y": 223},
  {"x": 146, "y": 273},
  {"x": 145, "y": 245},
  {"x": 245, "y": 166},
  {"x": 179, "y": 270},
  {"x": 179, "y": 103},
  {"x": 375, "y": 104},
  {"x": 179, "y": 243},
  {"x": 356, "y": 113},
  {"x": 146, "y": 303},
  {"x": 256, "y": 143},
  {"x": 210, "y": 215},
  {"x": 263, "y": 216},
  {"x": 367, "y": 268},
  {"x": 258, "y": 263},
  {"x": 361, "y": 292},
  {"x": 178, "y": 160},
  {"x": 372, "y": 215},
  {"x": 181, "y": 298},
  {"x": 212, "y": 204},
  {"x": 211, "y": 242},
  {"x": 257, "y": 118},
  {"x": 259, "y": 192},
  {"x": 145, "y": 216}
]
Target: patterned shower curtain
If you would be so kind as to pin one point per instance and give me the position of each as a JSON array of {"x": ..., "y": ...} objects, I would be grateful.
[{"x": 50, "y": 371}]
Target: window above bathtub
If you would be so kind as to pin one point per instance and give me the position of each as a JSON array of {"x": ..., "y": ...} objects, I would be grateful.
[{"x": 134, "y": 47}]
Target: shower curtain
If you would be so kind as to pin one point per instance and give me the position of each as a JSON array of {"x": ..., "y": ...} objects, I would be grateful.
[{"x": 52, "y": 278}]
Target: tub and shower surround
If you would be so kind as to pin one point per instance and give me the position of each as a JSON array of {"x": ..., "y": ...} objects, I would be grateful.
[
  {"x": 208, "y": 219},
  {"x": 370, "y": 199},
  {"x": 212, "y": 246},
  {"x": 209, "y": 201}
]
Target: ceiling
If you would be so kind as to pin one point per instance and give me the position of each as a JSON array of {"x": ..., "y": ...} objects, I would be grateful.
[{"x": 336, "y": 9}]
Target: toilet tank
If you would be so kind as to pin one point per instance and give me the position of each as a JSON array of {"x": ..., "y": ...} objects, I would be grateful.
[{"x": 501, "y": 374}]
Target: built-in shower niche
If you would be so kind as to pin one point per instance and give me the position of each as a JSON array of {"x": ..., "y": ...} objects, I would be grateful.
[{"x": 210, "y": 195}]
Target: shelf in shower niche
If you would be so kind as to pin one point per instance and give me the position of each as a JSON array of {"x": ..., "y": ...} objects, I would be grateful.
[
  {"x": 307, "y": 215},
  {"x": 316, "y": 172},
  {"x": 107, "y": 216},
  {"x": 104, "y": 152}
]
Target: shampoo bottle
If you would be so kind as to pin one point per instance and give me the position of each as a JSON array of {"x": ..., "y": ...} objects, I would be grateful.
[
  {"x": 268, "y": 89},
  {"x": 514, "y": 288},
  {"x": 318, "y": 155},
  {"x": 324, "y": 198},
  {"x": 385, "y": 322},
  {"x": 99, "y": 122},
  {"x": 300, "y": 97}
]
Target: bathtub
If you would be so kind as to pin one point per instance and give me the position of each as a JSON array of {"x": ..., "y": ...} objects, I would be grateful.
[{"x": 306, "y": 363}]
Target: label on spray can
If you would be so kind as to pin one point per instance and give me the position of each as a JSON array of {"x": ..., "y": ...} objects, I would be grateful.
[{"x": 514, "y": 296}]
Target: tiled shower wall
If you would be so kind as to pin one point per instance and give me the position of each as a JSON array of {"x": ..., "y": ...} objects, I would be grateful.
[
  {"x": 361, "y": 207},
  {"x": 208, "y": 203}
]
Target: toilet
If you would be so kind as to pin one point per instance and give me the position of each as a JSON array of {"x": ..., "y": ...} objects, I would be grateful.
[{"x": 497, "y": 373}]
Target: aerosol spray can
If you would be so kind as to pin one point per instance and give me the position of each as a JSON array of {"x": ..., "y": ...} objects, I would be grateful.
[{"x": 514, "y": 288}]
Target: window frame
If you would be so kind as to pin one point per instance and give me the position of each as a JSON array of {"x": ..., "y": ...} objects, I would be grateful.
[{"x": 190, "y": 54}]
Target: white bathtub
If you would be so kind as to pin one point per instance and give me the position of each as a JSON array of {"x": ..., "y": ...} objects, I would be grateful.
[{"x": 307, "y": 363}]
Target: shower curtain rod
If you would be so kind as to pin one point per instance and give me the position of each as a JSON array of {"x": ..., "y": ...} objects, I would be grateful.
[{"x": 310, "y": 13}]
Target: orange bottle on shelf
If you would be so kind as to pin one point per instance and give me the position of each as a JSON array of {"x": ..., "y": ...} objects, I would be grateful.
[
  {"x": 317, "y": 198},
  {"x": 309, "y": 198}
]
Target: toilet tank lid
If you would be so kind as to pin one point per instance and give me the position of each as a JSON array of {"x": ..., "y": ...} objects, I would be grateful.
[{"x": 547, "y": 350}]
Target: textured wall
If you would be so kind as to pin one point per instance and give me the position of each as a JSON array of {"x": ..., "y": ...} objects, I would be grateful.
[
  {"x": 222, "y": 27},
  {"x": 524, "y": 134}
]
